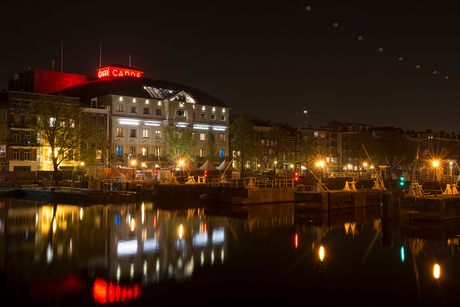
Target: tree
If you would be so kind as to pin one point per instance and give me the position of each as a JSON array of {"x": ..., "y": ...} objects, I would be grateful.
[
  {"x": 181, "y": 142},
  {"x": 61, "y": 125},
  {"x": 211, "y": 148},
  {"x": 245, "y": 140},
  {"x": 280, "y": 138}
]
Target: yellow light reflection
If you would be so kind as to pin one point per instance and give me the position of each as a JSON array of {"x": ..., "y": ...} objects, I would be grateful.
[
  {"x": 133, "y": 224},
  {"x": 321, "y": 253},
  {"x": 81, "y": 214},
  {"x": 181, "y": 231},
  {"x": 436, "y": 271},
  {"x": 54, "y": 225}
]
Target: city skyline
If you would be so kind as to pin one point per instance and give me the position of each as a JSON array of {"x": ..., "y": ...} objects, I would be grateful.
[{"x": 262, "y": 58}]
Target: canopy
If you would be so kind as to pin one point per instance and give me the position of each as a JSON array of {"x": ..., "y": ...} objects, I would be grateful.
[
  {"x": 207, "y": 166},
  {"x": 224, "y": 166},
  {"x": 189, "y": 167}
]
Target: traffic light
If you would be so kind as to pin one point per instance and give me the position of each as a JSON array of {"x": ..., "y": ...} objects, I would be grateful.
[
  {"x": 155, "y": 173},
  {"x": 206, "y": 174},
  {"x": 401, "y": 180},
  {"x": 296, "y": 176}
]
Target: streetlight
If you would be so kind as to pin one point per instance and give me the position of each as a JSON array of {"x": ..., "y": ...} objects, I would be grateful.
[
  {"x": 320, "y": 164},
  {"x": 435, "y": 165},
  {"x": 133, "y": 163}
]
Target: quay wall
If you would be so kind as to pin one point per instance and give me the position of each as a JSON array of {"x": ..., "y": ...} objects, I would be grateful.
[
  {"x": 244, "y": 196},
  {"x": 429, "y": 208}
]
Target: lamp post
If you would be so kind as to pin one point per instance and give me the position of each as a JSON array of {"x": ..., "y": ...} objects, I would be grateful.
[
  {"x": 435, "y": 165},
  {"x": 133, "y": 163}
]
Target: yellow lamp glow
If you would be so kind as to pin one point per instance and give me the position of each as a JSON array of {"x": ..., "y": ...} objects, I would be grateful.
[
  {"x": 181, "y": 231},
  {"x": 436, "y": 271},
  {"x": 321, "y": 253},
  {"x": 435, "y": 163},
  {"x": 133, "y": 224},
  {"x": 181, "y": 162}
]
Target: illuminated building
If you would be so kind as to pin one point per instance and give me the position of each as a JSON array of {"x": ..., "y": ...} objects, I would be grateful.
[{"x": 139, "y": 108}]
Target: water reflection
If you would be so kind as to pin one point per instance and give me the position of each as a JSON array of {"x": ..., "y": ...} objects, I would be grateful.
[{"x": 125, "y": 252}]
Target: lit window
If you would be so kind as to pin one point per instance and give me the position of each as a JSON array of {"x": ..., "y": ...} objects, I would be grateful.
[
  {"x": 146, "y": 133},
  {"x": 52, "y": 121},
  {"x": 16, "y": 154},
  {"x": 145, "y": 151},
  {"x": 119, "y": 108},
  {"x": 222, "y": 153},
  {"x": 119, "y": 150},
  {"x": 119, "y": 132},
  {"x": 202, "y": 136},
  {"x": 132, "y": 150},
  {"x": 222, "y": 137},
  {"x": 159, "y": 103},
  {"x": 201, "y": 152},
  {"x": 157, "y": 134},
  {"x": 157, "y": 151}
]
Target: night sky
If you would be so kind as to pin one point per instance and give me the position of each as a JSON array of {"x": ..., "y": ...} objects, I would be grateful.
[{"x": 263, "y": 58}]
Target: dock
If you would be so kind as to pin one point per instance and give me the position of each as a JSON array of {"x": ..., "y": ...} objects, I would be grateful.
[
  {"x": 430, "y": 207},
  {"x": 336, "y": 199}
]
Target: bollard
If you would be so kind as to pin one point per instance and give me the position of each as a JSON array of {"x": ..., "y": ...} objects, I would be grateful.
[
  {"x": 139, "y": 189},
  {"x": 386, "y": 205}
]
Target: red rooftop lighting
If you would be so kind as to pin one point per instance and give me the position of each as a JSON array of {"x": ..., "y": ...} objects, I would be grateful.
[{"x": 113, "y": 71}]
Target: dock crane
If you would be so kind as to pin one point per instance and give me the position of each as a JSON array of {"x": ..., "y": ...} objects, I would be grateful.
[{"x": 306, "y": 112}]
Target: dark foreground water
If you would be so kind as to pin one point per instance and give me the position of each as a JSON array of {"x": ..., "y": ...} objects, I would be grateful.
[{"x": 147, "y": 253}]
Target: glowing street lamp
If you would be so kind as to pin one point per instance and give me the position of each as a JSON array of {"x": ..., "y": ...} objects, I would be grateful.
[
  {"x": 436, "y": 271},
  {"x": 133, "y": 163},
  {"x": 321, "y": 253},
  {"x": 435, "y": 165}
]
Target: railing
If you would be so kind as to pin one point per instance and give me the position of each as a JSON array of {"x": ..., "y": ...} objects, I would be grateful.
[{"x": 250, "y": 183}]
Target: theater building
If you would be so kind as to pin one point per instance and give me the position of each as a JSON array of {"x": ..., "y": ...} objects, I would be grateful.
[{"x": 138, "y": 108}]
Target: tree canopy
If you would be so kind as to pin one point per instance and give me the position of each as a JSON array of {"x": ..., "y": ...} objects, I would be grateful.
[
  {"x": 61, "y": 125},
  {"x": 245, "y": 140},
  {"x": 181, "y": 142}
]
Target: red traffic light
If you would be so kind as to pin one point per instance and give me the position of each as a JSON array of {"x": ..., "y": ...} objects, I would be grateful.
[
  {"x": 206, "y": 174},
  {"x": 155, "y": 172},
  {"x": 296, "y": 176}
]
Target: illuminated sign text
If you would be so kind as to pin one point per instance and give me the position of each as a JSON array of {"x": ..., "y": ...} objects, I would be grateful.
[{"x": 109, "y": 71}]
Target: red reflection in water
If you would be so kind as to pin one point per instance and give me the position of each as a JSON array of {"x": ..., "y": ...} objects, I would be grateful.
[
  {"x": 68, "y": 284},
  {"x": 205, "y": 227},
  {"x": 296, "y": 241},
  {"x": 108, "y": 293},
  {"x": 154, "y": 222}
]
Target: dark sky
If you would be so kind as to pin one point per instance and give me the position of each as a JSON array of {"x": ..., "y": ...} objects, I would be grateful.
[{"x": 264, "y": 58}]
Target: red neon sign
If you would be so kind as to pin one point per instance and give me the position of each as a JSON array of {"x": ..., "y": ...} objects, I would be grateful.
[{"x": 111, "y": 71}]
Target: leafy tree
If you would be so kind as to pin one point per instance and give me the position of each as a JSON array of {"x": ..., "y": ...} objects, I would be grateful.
[
  {"x": 245, "y": 140},
  {"x": 181, "y": 142},
  {"x": 61, "y": 125},
  {"x": 211, "y": 148},
  {"x": 281, "y": 140}
]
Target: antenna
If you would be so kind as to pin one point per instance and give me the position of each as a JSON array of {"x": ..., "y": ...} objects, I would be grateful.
[
  {"x": 129, "y": 60},
  {"x": 100, "y": 55},
  {"x": 62, "y": 56}
]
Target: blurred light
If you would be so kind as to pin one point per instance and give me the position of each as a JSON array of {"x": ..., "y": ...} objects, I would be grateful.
[
  {"x": 296, "y": 241},
  {"x": 181, "y": 231},
  {"x": 133, "y": 224},
  {"x": 402, "y": 253},
  {"x": 181, "y": 162},
  {"x": 54, "y": 225},
  {"x": 81, "y": 214},
  {"x": 435, "y": 163},
  {"x": 321, "y": 253},
  {"x": 436, "y": 271}
]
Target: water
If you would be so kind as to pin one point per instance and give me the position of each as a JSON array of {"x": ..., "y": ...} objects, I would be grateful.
[{"x": 146, "y": 253}]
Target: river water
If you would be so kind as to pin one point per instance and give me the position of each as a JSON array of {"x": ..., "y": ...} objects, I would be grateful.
[{"x": 139, "y": 254}]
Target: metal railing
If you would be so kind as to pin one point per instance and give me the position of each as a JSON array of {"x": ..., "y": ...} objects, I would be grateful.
[{"x": 249, "y": 183}]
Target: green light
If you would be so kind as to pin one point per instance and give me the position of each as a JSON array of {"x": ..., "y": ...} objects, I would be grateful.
[
  {"x": 401, "y": 183},
  {"x": 402, "y": 253},
  {"x": 401, "y": 178}
]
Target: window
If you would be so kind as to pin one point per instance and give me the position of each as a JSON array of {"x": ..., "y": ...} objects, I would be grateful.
[
  {"x": 132, "y": 133},
  {"x": 193, "y": 115},
  {"x": 26, "y": 104},
  {"x": 101, "y": 120},
  {"x": 119, "y": 132},
  {"x": 157, "y": 134},
  {"x": 27, "y": 154},
  {"x": 133, "y": 109},
  {"x": 222, "y": 153},
  {"x": 146, "y": 133},
  {"x": 16, "y": 154},
  {"x": 157, "y": 151},
  {"x": 146, "y": 111},
  {"x": 132, "y": 151},
  {"x": 222, "y": 137},
  {"x": 145, "y": 151},
  {"x": 180, "y": 113},
  {"x": 27, "y": 136},
  {"x": 222, "y": 117},
  {"x": 158, "y": 112},
  {"x": 16, "y": 136},
  {"x": 119, "y": 150},
  {"x": 17, "y": 104},
  {"x": 17, "y": 119},
  {"x": 119, "y": 108},
  {"x": 202, "y": 136},
  {"x": 93, "y": 119},
  {"x": 213, "y": 116},
  {"x": 201, "y": 152}
]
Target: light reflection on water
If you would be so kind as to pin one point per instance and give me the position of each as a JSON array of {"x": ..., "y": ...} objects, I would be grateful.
[{"x": 263, "y": 253}]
